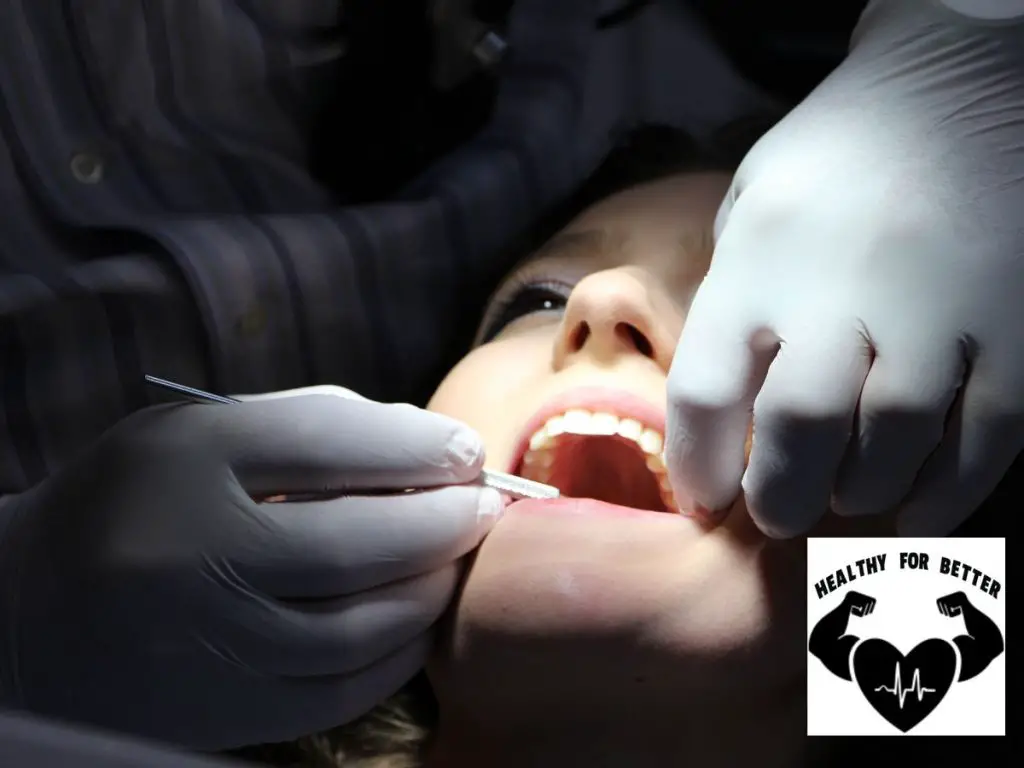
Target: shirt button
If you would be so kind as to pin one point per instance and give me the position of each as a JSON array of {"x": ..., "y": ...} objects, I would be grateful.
[
  {"x": 252, "y": 323},
  {"x": 87, "y": 167}
]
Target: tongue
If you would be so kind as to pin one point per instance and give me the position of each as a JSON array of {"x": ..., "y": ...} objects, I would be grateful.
[{"x": 609, "y": 469}]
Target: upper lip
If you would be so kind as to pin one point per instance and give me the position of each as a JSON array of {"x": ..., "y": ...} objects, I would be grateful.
[{"x": 618, "y": 402}]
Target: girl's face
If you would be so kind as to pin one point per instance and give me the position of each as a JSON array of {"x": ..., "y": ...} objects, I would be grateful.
[{"x": 600, "y": 615}]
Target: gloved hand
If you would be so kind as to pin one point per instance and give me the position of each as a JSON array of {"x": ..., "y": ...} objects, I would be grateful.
[
  {"x": 866, "y": 297},
  {"x": 145, "y": 590}
]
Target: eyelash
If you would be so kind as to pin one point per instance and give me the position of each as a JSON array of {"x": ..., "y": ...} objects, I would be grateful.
[{"x": 517, "y": 303}]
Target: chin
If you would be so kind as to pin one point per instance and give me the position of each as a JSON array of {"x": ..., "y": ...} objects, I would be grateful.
[{"x": 566, "y": 610}]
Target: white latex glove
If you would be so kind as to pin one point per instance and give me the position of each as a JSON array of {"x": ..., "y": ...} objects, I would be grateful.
[
  {"x": 866, "y": 296},
  {"x": 318, "y": 389},
  {"x": 145, "y": 590}
]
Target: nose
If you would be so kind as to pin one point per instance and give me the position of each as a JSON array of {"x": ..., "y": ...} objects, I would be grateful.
[{"x": 613, "y": 315}]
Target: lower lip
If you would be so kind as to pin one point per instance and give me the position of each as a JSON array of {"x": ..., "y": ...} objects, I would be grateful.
[{"x": 581, "y": 508}]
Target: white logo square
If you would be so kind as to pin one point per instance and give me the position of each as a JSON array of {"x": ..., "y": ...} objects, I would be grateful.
[{"x": 906, "y": 636}]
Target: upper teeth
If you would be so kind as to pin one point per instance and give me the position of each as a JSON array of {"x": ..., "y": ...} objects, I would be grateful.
[{"x": 539, "y": 458}]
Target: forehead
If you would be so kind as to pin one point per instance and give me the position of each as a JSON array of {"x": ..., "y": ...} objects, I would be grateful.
[{"x": 665, "y": 227}]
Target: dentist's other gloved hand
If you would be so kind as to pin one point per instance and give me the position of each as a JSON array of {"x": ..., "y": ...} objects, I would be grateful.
[
  {"x": 866, "y": 297},
  {"x": 145, "y": 587}
]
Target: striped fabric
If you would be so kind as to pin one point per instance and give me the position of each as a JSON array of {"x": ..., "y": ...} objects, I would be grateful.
[{"x": 157, "y": 214}]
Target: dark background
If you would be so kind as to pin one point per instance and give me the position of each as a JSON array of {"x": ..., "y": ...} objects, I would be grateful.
[{"x": 392, "y": 123}]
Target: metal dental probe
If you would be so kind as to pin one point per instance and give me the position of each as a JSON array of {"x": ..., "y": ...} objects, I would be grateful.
[{"x": 516, "y": 487}]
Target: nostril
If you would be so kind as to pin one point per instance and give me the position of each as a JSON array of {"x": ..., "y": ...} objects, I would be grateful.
[
  {"x": 579, "y": 336},
  {"x": 625, "y": 334},
  {"x": 637, "y": 339}
]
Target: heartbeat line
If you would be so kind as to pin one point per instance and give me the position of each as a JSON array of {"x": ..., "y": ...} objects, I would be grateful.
[{"x": 899, "y": 691}]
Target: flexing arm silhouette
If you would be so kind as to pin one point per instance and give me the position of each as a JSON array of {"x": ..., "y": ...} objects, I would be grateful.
[
  {"x": 983, "y": 641},
  {"x": 829, "y": 641}
]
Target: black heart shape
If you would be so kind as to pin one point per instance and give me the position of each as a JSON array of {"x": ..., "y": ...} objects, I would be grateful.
[{"x": 904, "y": 689}]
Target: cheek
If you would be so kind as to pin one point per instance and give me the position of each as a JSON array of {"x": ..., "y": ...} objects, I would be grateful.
[{"x": 495, "y": 389}]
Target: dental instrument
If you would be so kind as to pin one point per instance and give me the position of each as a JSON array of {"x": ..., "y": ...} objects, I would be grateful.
[{"x": 512, "y": 485}]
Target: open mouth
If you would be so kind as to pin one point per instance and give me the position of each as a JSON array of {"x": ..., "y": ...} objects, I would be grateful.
[{"x": 599, "y": 444}]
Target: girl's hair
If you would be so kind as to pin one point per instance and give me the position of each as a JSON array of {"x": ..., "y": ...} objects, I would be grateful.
[{"x": 396, "y": 734}]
